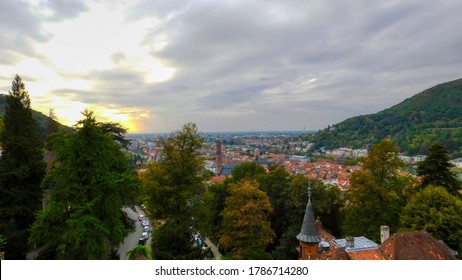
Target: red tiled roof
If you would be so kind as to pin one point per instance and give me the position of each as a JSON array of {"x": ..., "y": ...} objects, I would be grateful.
[
  {"x": 417, "y": 245},
  {"x": 373, "y": 254},
  {"x": 334, "y": 254}
]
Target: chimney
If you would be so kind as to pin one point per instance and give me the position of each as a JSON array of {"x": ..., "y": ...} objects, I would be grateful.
[
  {"x": 384, "y": 233},
  {"x": 350, "y": 242}
]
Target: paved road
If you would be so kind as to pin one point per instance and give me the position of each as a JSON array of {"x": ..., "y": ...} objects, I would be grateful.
[
  {"x": 216, "y": 253},
  {"x": 131, "y": 240}
]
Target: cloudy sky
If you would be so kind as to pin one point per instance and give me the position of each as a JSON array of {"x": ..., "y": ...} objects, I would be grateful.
[{"x": 227, "y": 65}]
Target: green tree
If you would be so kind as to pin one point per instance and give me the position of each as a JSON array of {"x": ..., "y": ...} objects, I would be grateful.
[
  {"x": 174, "y": 241},
  {"x": 52, "y": 128},
  {"x": 377, "y": 193},
  {"x": 436, "y": 169},
  {"x": 327, "y": 203},
  {"x": 2, "y": 129},
  {"x": 246, "y": 226},
  {"x": 170, "y": 188},
  {"x": 249, "y": 170},
  {"x": 438, "y": 212},
  {"x": 21, "y": 171},
  {"x": 274, "y": 183},
  {"x": 89, "y": 184},
  {"x": 172, "y": 183},
  {"x": 139, "y": 250}
]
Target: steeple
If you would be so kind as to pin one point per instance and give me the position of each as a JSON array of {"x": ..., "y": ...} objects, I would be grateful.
[{"x": 308, "y": 236}]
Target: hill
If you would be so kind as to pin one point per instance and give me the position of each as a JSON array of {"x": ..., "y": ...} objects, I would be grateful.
[
  {"x": 414, "y": 124},
  {"x": 41, "y": 119}
]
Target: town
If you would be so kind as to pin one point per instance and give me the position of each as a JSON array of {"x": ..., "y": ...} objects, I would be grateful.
[{"x": 287, "y": 149}]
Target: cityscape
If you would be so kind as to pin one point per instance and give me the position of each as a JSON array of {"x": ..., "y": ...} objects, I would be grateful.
[{"x": 190, "y": 133}]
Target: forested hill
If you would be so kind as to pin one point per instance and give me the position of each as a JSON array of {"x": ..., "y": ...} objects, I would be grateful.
[
  {"x": 41, "y": 119},
  {"x": 414, "y": 124}
]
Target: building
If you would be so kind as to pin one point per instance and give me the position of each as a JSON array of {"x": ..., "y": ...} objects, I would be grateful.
[{"x": 315, "y": 243}]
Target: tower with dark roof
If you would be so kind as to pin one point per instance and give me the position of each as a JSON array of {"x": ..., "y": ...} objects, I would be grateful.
[{"x": 308, "y": 237}]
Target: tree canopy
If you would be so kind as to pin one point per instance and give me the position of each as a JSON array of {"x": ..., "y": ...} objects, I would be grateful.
[
  {"x": 170, "y": 187},
  {"x": 435, "y": 169},
  {"x": 246, "y": 226},
  {"x": 21, "y": 171},
  {"x": 438, "y": 212},
  {"x": 89, "y": 183},
  {"x": 377, "y": 193}
]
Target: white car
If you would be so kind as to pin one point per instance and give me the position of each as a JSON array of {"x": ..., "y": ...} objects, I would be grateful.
[
  {"x": 141, "y": 217},
  {"x": 145, "y": 235}
]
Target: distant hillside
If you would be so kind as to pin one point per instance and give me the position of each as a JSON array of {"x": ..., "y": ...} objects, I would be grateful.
[
  {"x": 40, "y": 118},
  {"x": 414, "y": 124}
]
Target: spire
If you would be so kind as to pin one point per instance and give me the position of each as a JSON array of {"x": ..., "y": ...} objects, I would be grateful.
[
  {"x": 309, "y": 194},
  {"x": 308, "y": 232}
]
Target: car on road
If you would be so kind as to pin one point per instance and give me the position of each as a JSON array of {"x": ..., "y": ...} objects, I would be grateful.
[
  {"x": 145, "y": 235},
  {"x": 144, "y": 223},
  {"x": 147, "y": 229},
  {"x": 141, "y": 217},
  {"x": 142, "y": 241}
]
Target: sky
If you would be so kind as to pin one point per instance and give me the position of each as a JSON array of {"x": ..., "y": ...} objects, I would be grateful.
[{"x": 230, "y": 65}]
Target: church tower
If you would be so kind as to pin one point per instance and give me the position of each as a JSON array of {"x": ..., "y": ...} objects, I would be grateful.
[{"x": 308, "y": 237}]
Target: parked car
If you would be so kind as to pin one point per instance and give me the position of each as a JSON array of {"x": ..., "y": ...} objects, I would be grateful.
[
  {"x": 147, "y": 229},
  {"x": 142, "y": 241},
  {"x": 141, "y": 217},
  {"x": 144, "y": 223},
  {"x": 145, "y": 235}
]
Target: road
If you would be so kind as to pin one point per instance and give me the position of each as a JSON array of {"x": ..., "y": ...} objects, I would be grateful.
[
  {"x": 131, "y": 240},
  {"x": 216, "y": 253}
]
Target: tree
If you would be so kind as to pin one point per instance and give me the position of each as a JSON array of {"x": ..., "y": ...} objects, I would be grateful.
[
  {"x": 172, "y": 183},
  {"x": 438, "y": 212},
  {"x": 435, "y": 169},
  {"x": 174, "y": 241},
  {"x": 52, "y": 128},
  {"x": 246, "y": 227},
  {"x": 377, "y": 193},
  {"x": 327, "y": 203},
  {"x": 250, "y": 170},
  {"x": 21, "y": 171},
  {"x": 170, "y": 187},
  {"x": 274, "y": 184},
  {"x": 2, "y": 129},
  {"x": 90, "y": 182},
  {"x": 139, "y": 250}
]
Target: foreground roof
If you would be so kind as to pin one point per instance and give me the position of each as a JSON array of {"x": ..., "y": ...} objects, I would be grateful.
[{"x": 416, "y": 245}]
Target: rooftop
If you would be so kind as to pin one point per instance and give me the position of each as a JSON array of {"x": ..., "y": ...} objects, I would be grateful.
[{"x": 360, "y": 243}]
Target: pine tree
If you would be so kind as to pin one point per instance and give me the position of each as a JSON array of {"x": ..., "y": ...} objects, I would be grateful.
[
  {"x": 21, "y": 171},
  {"x": 52, "y": 128},
  {"x": 436, "y": 169}
]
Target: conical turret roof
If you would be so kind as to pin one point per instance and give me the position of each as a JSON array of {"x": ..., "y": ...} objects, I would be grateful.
[{"x": 308, "y": 232}]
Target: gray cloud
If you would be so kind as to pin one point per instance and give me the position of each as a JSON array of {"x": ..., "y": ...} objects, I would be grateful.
[
  {"x": 66, "y": 9},
  {"x": 272, "y": 65}
]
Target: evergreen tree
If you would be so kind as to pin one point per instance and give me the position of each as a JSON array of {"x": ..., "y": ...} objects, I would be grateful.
[
  {"x": 52, "y": 128},
  {"x": 436, "y": 169},
  {"x": 90, "y": 182},
  {"x": 2, "y": 128},
  {"x": 21, "y": 171}
]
